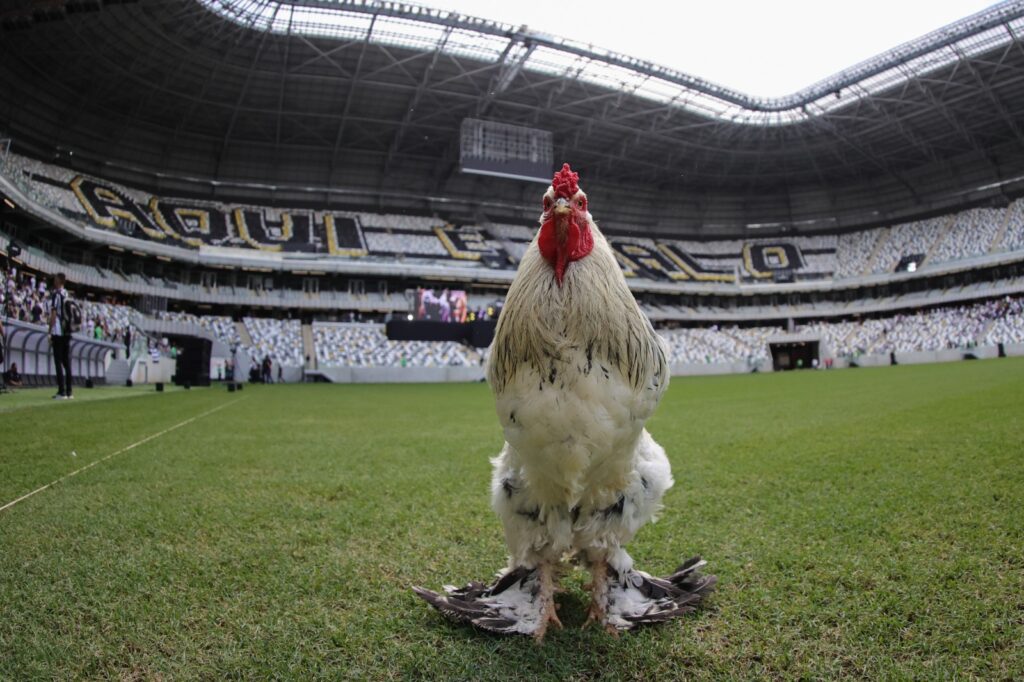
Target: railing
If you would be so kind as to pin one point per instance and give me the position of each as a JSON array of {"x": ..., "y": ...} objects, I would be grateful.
[{"x": 28, "y": 345}]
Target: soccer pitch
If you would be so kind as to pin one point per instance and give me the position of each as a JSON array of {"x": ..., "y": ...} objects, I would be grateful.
[{"x": 863, "y": 523}]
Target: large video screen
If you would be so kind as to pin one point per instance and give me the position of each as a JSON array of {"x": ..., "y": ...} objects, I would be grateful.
[{"x": 447, "y": 305}]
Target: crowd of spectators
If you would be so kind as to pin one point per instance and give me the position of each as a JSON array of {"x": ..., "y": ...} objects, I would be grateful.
[
  {"x": 844, "y": 339},
  {"x": 279, "y": 340},
  {"x": 938, "y": 329},
  {"x": 19, "y": 169},
  {"x": 362, "y": 345},
  {"x": 515, "y": 232},
  {"x": 907, "y": 239},
  {"x": 366, "y": 345},
  {"x": 1007, "y": 325},
  {"x": 945, "y": 328},
  {"x": 105, "y": 321},
  {"x": 966, "y": 234},
  {"x": 514, "y": 239},
  {"x": 1013, "y": 237},
  {"x": 718, "y": 344},
  {"x": 390, "y": 221},
  {"x": 24, "y": 296},
  {"x": 221, "y": 327},
  {"x": 950, "y": 327},
  {"x": 969, "y": 233},
  {"x": 853, "y": 250},
  {"x": 421, "y": 245}
]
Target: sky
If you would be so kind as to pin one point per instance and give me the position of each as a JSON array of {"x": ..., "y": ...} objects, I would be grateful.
[{"x": 769, "y": 48}]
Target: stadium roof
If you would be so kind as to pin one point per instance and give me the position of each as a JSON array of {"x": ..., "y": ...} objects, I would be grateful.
[{"x": 359, "y": 103}]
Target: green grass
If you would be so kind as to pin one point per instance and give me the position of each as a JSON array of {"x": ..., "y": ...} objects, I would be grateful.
[
  {"x": 863, "y": 524},
  {"x": 20, "y": 398}
]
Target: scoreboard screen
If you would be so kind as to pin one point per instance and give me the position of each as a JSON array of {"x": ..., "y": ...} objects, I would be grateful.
[{"x": 507, "y": 151}]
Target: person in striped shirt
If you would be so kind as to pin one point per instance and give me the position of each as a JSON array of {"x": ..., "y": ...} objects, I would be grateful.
[{"x": 60, "y": 337}]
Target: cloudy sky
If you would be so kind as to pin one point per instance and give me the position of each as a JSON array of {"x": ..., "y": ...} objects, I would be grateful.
[{"x": 767, "y": 48}]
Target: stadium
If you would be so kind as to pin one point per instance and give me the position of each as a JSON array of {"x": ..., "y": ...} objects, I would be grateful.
[{"x": 292, "y": 226}]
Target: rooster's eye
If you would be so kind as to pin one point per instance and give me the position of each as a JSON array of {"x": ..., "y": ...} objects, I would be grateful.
[
  {"x": 579, "y": 202},
  {"x": 547, "y": 203}
]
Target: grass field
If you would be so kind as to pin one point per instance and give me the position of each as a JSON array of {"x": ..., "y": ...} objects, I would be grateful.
[{"x": 864, "y": 523}]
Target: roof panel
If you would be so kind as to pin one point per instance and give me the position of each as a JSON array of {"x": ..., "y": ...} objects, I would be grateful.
[
  {"x": 422, "y": 28},
  {"x": 186, "y": 87}
]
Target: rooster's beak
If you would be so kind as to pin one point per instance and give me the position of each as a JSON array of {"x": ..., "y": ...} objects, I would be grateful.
[{"x": 561, "y": 213}]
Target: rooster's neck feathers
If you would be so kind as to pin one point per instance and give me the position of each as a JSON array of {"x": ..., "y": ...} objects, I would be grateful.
[{"x": 592, "y": 319}]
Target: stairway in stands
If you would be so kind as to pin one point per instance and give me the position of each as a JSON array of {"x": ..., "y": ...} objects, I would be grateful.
[
  {"x": 883, "y": 237},
  {"x": 997, "y": 242},
  {"x": 308, "y": 349},
  {"x": 118, "y": 372},
  {"x": 244, "y": 334},
  {"x": 980, "y": 338},
  {"x": 947, "y": 225}
]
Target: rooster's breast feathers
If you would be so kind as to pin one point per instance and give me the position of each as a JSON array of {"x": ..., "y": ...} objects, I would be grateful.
[{"x": 576, "y": 369}]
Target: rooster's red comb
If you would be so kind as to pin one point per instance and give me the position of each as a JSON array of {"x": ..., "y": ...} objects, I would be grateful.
[{"x": 565, "y": 183}]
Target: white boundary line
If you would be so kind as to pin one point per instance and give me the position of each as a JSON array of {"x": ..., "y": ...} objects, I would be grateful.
[{"x": 117, "y": 452}]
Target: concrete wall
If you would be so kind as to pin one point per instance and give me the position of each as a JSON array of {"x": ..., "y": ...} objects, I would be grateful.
[
  {"x": 978, "y": 352},
  {"x": 416, "y": 375},
  {"x": 291, "y": 375},
  {"x": 403, "y": 375},
  {"x": 1014, "y": 349},
  {"x": 983, "y": 352},
  {"x": 881, "y": 360},
  {"x": 872, "y": 361},
  {"x": 929, "y": 356},
  {"x": 681, "y": 369}
]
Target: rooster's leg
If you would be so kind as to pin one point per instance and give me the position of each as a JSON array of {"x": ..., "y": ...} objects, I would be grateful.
[
  {"x": 546, "y": 598},
  {"x": 598, "y": 588}
]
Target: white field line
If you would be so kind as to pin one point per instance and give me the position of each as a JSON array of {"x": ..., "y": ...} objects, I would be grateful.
[{"x": 117, "y": 452}]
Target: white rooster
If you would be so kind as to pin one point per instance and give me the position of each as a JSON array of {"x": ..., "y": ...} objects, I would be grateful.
[{"x": 576, "y": 370}]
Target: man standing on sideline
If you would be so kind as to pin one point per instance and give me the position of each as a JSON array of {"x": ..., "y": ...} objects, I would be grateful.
[{"x": 60, "y": 337}]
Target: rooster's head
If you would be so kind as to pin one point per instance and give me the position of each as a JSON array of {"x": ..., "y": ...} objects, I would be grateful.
[{"x": 565, "y": 224}]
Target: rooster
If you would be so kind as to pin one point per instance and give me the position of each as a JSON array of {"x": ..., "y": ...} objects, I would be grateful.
[{"x": 576, "y": 370}]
